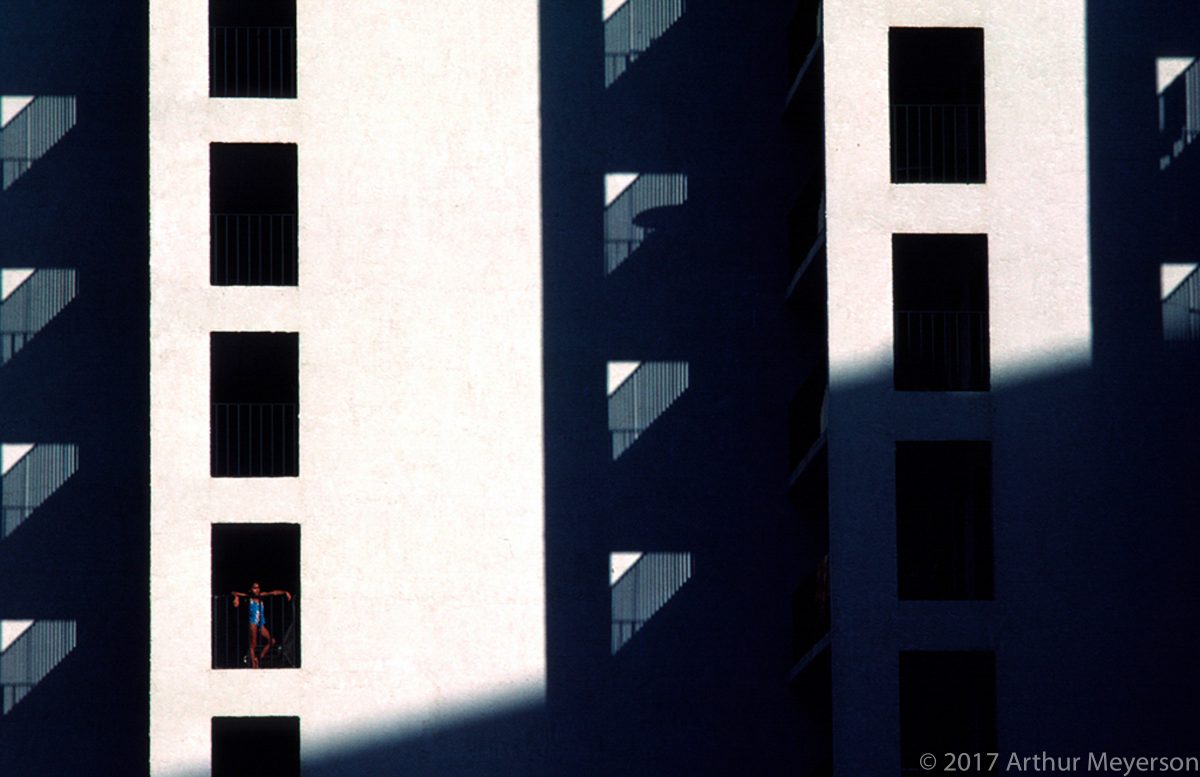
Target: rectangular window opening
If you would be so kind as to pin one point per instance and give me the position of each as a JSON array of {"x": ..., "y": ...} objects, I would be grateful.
[
  {"x": 252, "y": 48},
  {"x": 944, "y": 520},
  {"x": 256, "y": 745},
  {"x": 266, "y": 554},
  {"x": 255, "y": 394},
  {"x": 935, "y": 78},
  {"x": 940, "y": 294},
  {"x": 947, "y": 705},
  {"x": 254, "y": 234}
]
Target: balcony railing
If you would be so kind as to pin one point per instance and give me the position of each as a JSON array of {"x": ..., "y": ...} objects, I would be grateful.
[
  {"x": 31, "y": 306},
  {"x": 622, "y": 235},
  {"x": 252, "y": 62},
  {"x": 941, "y": 350},
  {"x": 31, "y": 657},
  {"x": 33, "y": 132},
  {"x": 641, "y": 399},
  {"x": 643, "y": 590},
  {"x": 255, "y": 439},
  {"x": 938, "y": 144},
  {"x": 1181, "y": 310},
  {"x": 1179, "y": 115},
  {"x": 231, "y": 633},
  {"x": 253, "y": 249},
  {"x": 632, "y": 29},
  {"x": 31, "y": 481}
]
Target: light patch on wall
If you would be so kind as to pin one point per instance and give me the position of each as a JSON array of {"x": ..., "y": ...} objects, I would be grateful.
[
  {"x": 615, "y": 183},
  {"x": 11, "y": 105},
  {"x": 619, "y": 563},
  {"x": 11, "y": 453},
  {"x": 1169, "y": 68},
  {"x": 618, "y": 372},
  {"x": 11, "y": 278},
  {"x": 1172, "y": 275},
  {"x": 611, "y": 6},
  {"x": 10, "y": 630}
]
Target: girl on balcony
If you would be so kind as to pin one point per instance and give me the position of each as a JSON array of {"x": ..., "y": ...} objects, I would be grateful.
[{"x": 258, "y": 622}]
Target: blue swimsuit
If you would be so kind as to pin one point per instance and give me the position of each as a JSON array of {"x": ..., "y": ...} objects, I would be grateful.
[{"x": 256, "y": 613}]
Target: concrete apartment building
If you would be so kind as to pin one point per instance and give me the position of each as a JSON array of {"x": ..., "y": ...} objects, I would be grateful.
[{"x": 646, "y": 387}]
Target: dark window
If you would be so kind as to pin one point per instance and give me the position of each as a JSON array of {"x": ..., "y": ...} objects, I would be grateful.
[
  {"x": 252, "y": 48},
  {"x": 252, "y": 196},
  {"x": 936, "y": 84},
  {"x": 244, "y": 554},
  {"x": 944, "y": 519},
  {"x": 940, "y": 289},
  {"x": 261, "y": 745},
  {"x": 255, "y": 404},
  {"x": 947, "y": 705}
]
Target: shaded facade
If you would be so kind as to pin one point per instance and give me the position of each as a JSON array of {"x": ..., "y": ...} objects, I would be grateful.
[{"x": 74, "y": 350}]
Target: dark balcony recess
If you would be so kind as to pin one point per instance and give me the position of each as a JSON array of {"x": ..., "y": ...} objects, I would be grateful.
[
  {"x": 252, "y": 48},
  {"x": 254, "y": 235},
  {"x": 944, "y": 520},
  {"x": 941, "y": 337},
  {"x": 256, "y": 745},
  {"x": 937, "y": 105},
  {"x": 255, "y": 404},
  {"x": 947, "y": 705}
]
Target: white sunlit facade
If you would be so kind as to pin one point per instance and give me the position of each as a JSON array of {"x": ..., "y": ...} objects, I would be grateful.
[{"x": 413, "y": 308}]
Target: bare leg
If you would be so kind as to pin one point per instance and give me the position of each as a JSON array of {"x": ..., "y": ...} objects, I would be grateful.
[
  {"x": 268, "y": 641},
  {"x": 253, "y": 646}
]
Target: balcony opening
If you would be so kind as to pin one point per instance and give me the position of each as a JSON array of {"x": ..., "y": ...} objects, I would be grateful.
[
  {"x": 258, "y": 745},
  {"x": 947, "y": 705},
  {"x": 1181, "y": 302},
  {"x": 252, "y": 48},
  {"x": 29, "y": 300},
  {"x": 940, "y": 288},
  {"x": 641, "y": 584},
  {"x": 1178, "y": 106},
  {"x": 30, "y": 650},
  {"x": 636, "y": 207},
  {"x": 937, "y": 119},
  {"x": 31, "y": 126},
  {"x": 253, "y": 201},
  {"x": 29, "y": 475},
  {"x": 255, "y": 393},
  {"x": 260, "y": 629},
  {"x": 631, "y": 27},
  {"x": 944, "y": 520},
  {"x": 638, "y": 393}
]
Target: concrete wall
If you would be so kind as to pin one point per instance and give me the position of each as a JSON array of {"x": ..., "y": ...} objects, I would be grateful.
[
  {"x": 418, "y": 311},
  {"x": 1033, "y": 208}
]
